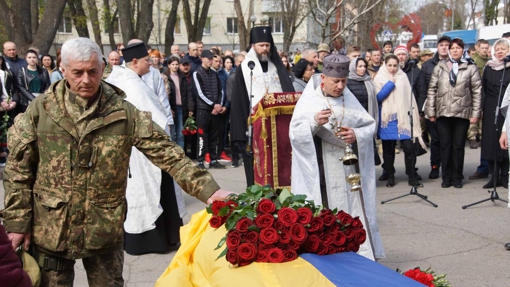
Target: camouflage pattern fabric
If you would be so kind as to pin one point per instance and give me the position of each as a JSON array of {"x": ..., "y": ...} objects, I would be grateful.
[
  {"x": 66, "y": 178},
  {"x": 102, "y": 271},
  {"x": 475, "y": 130}
]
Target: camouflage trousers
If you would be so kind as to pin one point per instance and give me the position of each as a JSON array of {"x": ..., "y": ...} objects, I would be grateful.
[
  {"x": 102, "y": 270},
  {"x": 475, "y": 130}
]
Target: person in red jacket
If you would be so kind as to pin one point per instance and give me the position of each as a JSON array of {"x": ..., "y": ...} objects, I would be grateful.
[{"x": 11, "y": 270}]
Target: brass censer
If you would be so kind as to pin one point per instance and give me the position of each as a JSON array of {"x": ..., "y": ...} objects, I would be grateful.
[{"x": 350, "y": 159}]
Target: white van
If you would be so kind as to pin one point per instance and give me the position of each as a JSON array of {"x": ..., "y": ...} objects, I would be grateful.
[
  {"x": 492, "y": 33},
  {"x": 429, "y": 42}
]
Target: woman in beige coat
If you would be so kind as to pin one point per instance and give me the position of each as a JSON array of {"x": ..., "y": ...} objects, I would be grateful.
[{"x": 453, "y": 102}]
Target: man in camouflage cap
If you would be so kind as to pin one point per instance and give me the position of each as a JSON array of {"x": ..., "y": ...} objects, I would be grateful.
[{"x": 65, "y": 179}]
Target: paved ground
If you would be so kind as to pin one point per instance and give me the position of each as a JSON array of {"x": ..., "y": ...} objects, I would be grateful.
[{"x": 467, "y": 244}]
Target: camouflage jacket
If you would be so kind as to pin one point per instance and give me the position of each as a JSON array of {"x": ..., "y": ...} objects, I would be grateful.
[
  {"x": 480, "y": 62},
  {"x": 66, "y": 176}
]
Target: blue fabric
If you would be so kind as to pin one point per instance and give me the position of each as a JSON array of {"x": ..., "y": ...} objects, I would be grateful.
[
  {"x": 391, "y": 132},
  {"x": 385, "y": 92},
  {"x": 349, "y": 269},
  {"x": 176, "y": 128},
  {"x": 483, "y": 167}
]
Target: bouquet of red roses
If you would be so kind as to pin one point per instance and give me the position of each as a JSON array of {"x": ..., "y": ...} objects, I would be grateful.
[
  {"x": 427, "y": 277},
  {"x": 266, "y": 225},
  {"x": 190, "y": 127}
]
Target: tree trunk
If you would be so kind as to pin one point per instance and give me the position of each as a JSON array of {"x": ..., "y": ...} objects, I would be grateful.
[
  {"x": 242, "y": 28},
  {"x": 79, "y": 17},
  {"x": 18, "y": 22},
  {"x": 145, "y": 21},
  {"x": 195, "y": 23},
  {"x": 110, "y": 21},
  {"x": 96, "y": 26},
  {"x": 34, "y": 10},
  {"x": 292, "y": 15},
  {"x": 170, "y": 27},
  {"x": 125, "y": 16}
]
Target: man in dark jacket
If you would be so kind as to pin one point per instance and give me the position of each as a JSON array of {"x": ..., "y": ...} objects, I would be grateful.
[
  {"x": 210, "y": 98},
  {"x": 427, "y": 69},
  {"x": 14, "y": 63},
  {"x": 190, "y": 142},
  {"x": 193, "y": 56}
]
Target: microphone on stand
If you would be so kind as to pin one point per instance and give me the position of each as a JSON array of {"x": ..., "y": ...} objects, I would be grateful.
[
  {"x": 251, "y": 65},
  {"x": 412, "y": 62}
]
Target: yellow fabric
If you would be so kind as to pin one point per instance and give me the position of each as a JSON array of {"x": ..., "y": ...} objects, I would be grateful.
[{"x": 195, "y": 264}]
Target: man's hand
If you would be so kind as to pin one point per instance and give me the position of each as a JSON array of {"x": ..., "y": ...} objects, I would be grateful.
[
  {"x": 503, "y": 141},
  {"x": 217, "y": 107},
  {"x": 214, "y": 112},
  {"x": 432, "y": 119},
  {"x": 348, "y": 135},
  {"x": 220, "y": 194},
  {"x": 190, "y": 114},
  {"x": 473, "y": 120},
  {"x": 223, "y": 110},
  {"x": 18, "y": 238},
  {"x": 322, "y": 117}
]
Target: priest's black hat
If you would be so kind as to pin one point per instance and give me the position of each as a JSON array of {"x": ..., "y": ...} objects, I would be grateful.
[
  {"x": 134, "y": 51},
  {"x": 261, "y": 34}
]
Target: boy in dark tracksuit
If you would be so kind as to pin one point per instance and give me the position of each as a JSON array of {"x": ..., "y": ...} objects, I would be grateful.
[{"x": 209, "y": 93}]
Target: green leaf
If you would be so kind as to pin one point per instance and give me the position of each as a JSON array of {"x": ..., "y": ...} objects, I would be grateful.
[
  {"x": 254, "y": 189},
  {"x": 284, "y": 195},
  {"x": 231, "y": 221},
  {"x": 299, "y": 198},
  {"x": 223, "y": 253},
  {"x": 253, "y": 228},
  {"x": 209, "y": 209},
  {"x": 224, "y": 211},
  {"x": 222, "y": 241},
  {"x": 250, "y": 214}
]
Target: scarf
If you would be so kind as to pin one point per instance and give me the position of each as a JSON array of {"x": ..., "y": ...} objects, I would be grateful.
[
  {"x": 372, "y": 98},
  {"x": 455, "y": 68},
  {"x": 396, "y": 105},
  {"x": 494, "y": 63}
]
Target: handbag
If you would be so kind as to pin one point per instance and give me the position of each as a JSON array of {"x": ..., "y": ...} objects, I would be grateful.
[
  {"x": 30, "y": 266},
  {"x": 418, "y": 149}
]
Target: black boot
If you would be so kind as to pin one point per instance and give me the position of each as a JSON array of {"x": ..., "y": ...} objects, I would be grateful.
[
  {"x": 490, "y": 184},
  {"x": 410, "y": 167},
  {"x": 391, "y": 180}
]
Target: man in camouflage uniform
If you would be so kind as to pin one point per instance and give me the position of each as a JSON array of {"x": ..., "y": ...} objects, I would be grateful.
[
  {"x": 113, "y": 60},
  {"x": 65, "y": 179}
]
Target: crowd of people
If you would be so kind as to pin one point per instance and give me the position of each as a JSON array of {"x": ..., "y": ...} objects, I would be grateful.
[{"x": 396, "y": 96}]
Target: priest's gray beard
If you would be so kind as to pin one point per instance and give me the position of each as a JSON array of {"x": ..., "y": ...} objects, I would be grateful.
[
  {"x": 263, "y": 58},
  {"x": 402, "y": 64}
]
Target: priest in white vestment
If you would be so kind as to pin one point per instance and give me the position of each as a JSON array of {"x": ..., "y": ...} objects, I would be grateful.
[
  {"x": 145, "y": 219},
  {"x": 317, "y": 172}
]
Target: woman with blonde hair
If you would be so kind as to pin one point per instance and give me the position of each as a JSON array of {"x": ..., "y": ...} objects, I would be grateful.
[
  {"x": 491, "y": 82},
  {"x": 394, "y": 95}
]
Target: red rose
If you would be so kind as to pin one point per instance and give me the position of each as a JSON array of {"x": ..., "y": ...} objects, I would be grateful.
[
  {"x": 294, "y": 245},
  {"x": 217, "y": 205},
  {"x": 263, "y": 246},
  {"x": 275, "y": 255},
  {"x": 266, "y": 206},
  {"x": 278, "y": 225},
  {"x": 360, "y": 236},
  {"x": 344, "y": 217},
  {"x": 298, "y": 233},
  {"x": 264, "y": 220},
  {"x": 349, "y": 232},
  {"x": 287, "y": 216},
  {"x": 353, "y": 246},
  {"x": 326, "y": 211},
  {"x": 339, "y": 238},
  {"x": 334, "y": 229},
  {"x": 247, "y": 251},
  {"x": 304, "y": 215},
  {"x": 268, "y": 235},
  {"x": 356, "y": 222},
  {"x": 341, "y": 249},
  {"x": 420, "y": 276},
  {"x": 233, "y": 239},
  {"x": 251, "y": 237},
  {"x": 232, "y": 257},
  {"x": 316, "y": 224},
  {"x": 327, "y": 239},
  {"x": 262, "y": 256},
  {"x": 322, "y": 249},
  {"x": 289, "y": 255},
  {"x": 215, "y": 221},
  {"x": 243, "y": 224},
  {"x": 331, "y": 250},
  {"x": 312, "y": 243},
  {"x": 232, "y": 204},
  {"x": 329, "y": 219},
  {"x": 284, "y": 236}
]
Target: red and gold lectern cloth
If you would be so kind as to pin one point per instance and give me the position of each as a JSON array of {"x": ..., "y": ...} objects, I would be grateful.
[{"x": 272, "y": 151}]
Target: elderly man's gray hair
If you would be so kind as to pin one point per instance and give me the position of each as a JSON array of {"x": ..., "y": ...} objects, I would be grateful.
[
  {"x": 79, "y": 49},
  {"x": 307, "y": 52}
]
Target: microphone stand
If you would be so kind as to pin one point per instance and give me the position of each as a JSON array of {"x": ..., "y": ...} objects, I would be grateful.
[
  {"x": 414, "y": 183},
  {"x": 494, "y": 194},
  {"x": 249, "y": 133}
]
